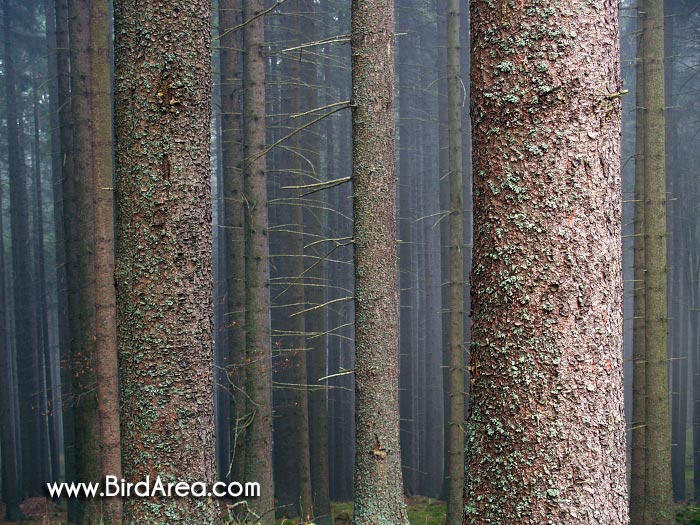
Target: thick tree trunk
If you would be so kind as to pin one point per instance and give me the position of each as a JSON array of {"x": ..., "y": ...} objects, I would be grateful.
[
  {"x": 658, "y": 485},
  {"x": 105, "y": 301},
  {"x": 164, "y": 280},
  {"x": 378, "y": 486},
  {"x": 456, "y": 326},
  {"x": 546, "y": 431},
  {"x": 258, "y": 462}
]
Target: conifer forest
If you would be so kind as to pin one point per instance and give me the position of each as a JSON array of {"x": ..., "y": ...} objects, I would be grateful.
[{"x": 350, "y": 262}]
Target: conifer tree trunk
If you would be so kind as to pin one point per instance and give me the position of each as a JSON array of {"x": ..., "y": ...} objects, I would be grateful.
[
  {"x": 69, "y": 234},
  {"x": 378, "y": 485},
  {"x": 107, "y": 369},
  {"x": 258, "y": 462},
  {"x": 234, "y": 217},
  {"x": 87, "y": 436},
  {"x": 8, "y": 439},
  {"x": 546, "y": 431},
  {"x": 164, "y": 264},
  {"x": 638, "y": 431},
  {"x": 25, "y": 323},
  {"x": 315, "y": 219},
  {"x": 658, "y": 486},
  {"x": 456, "y": 347}
]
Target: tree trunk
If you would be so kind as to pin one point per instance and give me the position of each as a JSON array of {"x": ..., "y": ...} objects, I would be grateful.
[
  {"x": 234, "y": 220},
  {"x": 69, "y": 222},
  {"x": 105, "y": 301},
  {"x": 546, "y": 431},
  {"x": 258, "y": 462},
  {"x": 8, "y": 440},
  {"x": 378, "y": 485},
  {"x": 658, "y": 485},
  {"x": 456, "y": 343},
  {"x": 638, "y": 431},
  {"x": 25, "y": 326},
  {"x": 164, "y": 280}
]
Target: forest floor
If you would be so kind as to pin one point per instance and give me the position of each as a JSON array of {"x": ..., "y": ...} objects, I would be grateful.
[
  {"x": 37, "y": 511},
  {"x": 421, "y": 511}
]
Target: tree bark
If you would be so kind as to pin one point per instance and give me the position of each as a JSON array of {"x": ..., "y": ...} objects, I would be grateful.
[
  {"x": 234, "y": 217},
  {"x": 164, "y": 263},
  {"x": 546, "y": 431},
  {"x": 658, "y": 485},
  {"x": 638, "y": 431},
  {"x": 456, "y": 343},
  {"x": 377, "y": 481},
  {"x": 258, "y": 462},
  {"x": 107, "y": 368}
]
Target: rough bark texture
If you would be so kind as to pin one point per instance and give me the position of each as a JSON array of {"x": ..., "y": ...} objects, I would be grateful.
[
  {"x": 107, "y": 368},
  {"x": 546, "y": 432},
  {"x": 456, "y": 342},
  {"x": 258, "y": 462},
  {"x": 234, "y": 217},
  {"x": 164, "y": 279},
  {"x": 658, "y": 488},
  {"x": 377, "y": 481},
  {"x": 638, "y": 431}
]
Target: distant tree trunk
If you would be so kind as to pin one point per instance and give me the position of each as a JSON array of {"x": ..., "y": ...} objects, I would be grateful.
[
  {"x": 638, "y": 431},
  {"x": 296, "y": 250},
  {"x": 105, "y": 301},
  {"x": 378, "y": 485},
  {"x": 164, "y": 280},
  {"x": 456, "y": 347},
  {"x": 43, "y": 348},
  {"x": 25, "y": 329},
  {"x": 8, "y": 440},
  {"x": 69, "y": 222},
  {"x": 546, "y": 356},
  {"x": 258, "y": 462},
  {"x": 234, "y": 221},
  {"x": 315, "y": 218},
  {"x": 658, "y": 485},
  {"x": 58, "y": 231}
]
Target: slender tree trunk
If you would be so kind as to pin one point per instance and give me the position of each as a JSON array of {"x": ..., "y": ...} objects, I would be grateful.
[
  {"x": 69, "y": 229},
  {"x": 87, "y": 437},
  {"x": 8, "y": 440},
  {"x": 105, "y": 295},
  {"x": 658, "y": 486},
  {"x": 456, "y": 346},
  {"x": 637, "y": 465},
  {"x": 296, "y": 249},
  {"x": 234, "y": 220},
  {"x": 164, "y": 280},
  {"x": 378, "y": 486},
  {"x": 315, "y": 219},
  {"x": 59, "y": 236},
  {"x": 258, "y": 462},
  {"x": 546, "y": 354},
  {"x": 25, "y": 325}
]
